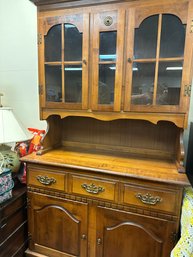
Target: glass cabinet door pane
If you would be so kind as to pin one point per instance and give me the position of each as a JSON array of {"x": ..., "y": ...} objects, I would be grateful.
[
  {"x": 53, "y": 44},
  {"x": 143, "y": 83},
  {"x": 172, "y": 37},
  {"x": 106, "y": 83},
  {"x": 169, "y": 83},
  {"x": 53, "y": 77},
  {"x": 73, "y": 83},
  {"x": 145, "y": 43},
  {"x": 72, "y": 43},
  {"x": 107, "y": 49}
]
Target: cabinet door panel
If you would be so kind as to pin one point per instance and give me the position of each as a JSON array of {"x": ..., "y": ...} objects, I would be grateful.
[
  {"x": 121, "y": 233},
  {"x": 63, "y": 55},
  {"x": 107, "y": 60},
  {"x": 163, "y": 48},
  {"x": 61, "y": 225}
]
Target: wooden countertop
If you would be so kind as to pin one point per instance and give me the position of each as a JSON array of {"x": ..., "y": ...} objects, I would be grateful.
[{"x": 129, "y": 166}]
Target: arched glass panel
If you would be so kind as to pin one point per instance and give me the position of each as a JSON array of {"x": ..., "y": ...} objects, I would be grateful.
[
  {"x": 53, "y": 44},
  {"x": 146, "y": 38},
  {"x": 72, "y": 43},
  {"x": 172, "y": 37}
]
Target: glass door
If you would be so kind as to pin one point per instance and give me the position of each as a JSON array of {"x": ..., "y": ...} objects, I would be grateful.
[
  {"x": 157, "y": 63},
  {"x": 65, "y": 63},
  {"x": 107, "y": 53}
]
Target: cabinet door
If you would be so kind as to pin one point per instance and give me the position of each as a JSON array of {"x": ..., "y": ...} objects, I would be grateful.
[
  {"x": 125, "y": 234},
  {"x": 58, "y": 227},
  {"x": 63, "y": 55},
  {"x": 157, "y": 65},
  {"x": 107, "y": 60}
]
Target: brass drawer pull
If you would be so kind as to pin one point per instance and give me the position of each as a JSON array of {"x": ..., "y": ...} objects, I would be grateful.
[
  {"x": 45, "y": 180},
  {"x": 148, "y": 199},
  {"x": 92, "y": 188}
]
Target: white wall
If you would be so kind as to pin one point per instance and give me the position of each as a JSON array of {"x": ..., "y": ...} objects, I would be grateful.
[{"x": 18, "y": 60}]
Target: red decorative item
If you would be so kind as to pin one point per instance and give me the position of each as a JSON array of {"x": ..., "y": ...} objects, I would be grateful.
[
  {"x": 35, "y": 143},
  {"x": 25, "y": 148}
]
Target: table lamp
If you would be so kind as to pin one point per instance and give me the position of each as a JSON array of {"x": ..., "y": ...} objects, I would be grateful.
[{"x": 10, "y": 131}]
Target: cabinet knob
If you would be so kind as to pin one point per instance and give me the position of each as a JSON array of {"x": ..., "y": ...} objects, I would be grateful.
[
  {"x": 99, "y": 241},
  {"x": 129, "y": 60},
  {"x": 83, "y": 237},
  {"x": 84, "y": 62}
]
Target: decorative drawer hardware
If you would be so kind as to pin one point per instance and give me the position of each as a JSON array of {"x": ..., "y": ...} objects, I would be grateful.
[
  {"x": 92, "y": 188},
  {"x": 45, "y": 180},
  {"x": 148, "y": 199}
]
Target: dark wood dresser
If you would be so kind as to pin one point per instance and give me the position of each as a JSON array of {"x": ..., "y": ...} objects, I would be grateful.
[{"x": 13, "y": 224}]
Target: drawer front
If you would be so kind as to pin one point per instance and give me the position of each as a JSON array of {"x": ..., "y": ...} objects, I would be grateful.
[
  {"x": 12, "y": 223},
  {"x": 15, "y": 241},
  {"x": 151, "y": 198},
  {"x": 46, "y": 179},
  {"x": 94, "y": 187}
]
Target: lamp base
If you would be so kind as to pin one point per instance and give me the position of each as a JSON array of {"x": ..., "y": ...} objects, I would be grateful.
[{"x": 11, "y": 159}]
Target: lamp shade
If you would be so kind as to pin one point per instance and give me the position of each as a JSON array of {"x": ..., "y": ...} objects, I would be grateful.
[{"x": 10, "y": 129}]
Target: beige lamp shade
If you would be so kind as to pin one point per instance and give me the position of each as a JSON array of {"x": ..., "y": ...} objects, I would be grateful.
[{"x": 10, "y": 129}]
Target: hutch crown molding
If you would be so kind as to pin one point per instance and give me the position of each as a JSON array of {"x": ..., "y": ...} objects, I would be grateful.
[{"x": 114, "y": 85}]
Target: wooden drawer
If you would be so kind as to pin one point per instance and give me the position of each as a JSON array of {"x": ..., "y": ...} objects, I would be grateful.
[
  {"x": 94, "y": 187},
  {"x": 15, "y": 241},
  {"x": 12, "y": 223},
  {"x": 152, "y": 198},
  {"x": 46, "y": 179}
]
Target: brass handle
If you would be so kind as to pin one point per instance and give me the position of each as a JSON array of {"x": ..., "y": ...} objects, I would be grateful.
[
  {"x": 83, "y": 237},
  {"x": 92, "y": 188},
  {"x": 99, "y": 241},
  {"x": 45, "y": 180},
  {"x": 148, "y": 199}
]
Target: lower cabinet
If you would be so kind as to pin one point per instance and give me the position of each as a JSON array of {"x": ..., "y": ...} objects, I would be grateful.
[
  {"x": 83, "y": 213},
  {"x": 57, "y": 227},
  {"x": 60, "y": 227}
]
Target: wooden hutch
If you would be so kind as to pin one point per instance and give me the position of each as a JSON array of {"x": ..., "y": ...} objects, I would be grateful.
[{"x": 114, "y": 85}]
